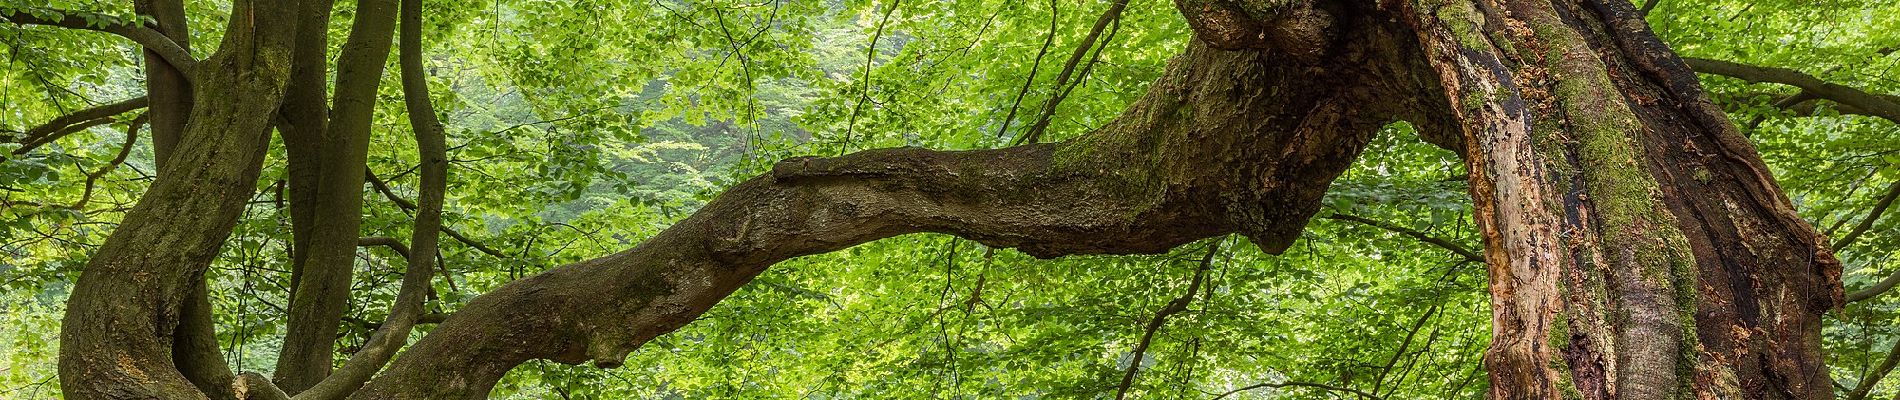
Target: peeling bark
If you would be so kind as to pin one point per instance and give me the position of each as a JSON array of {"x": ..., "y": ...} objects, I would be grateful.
[{"x": 1638, "y": 246}]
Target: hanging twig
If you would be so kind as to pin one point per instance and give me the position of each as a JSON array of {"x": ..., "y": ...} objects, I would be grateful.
[{"x": 1161, "y": 317}]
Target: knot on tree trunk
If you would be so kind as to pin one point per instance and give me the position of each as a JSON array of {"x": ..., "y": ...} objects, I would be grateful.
[{"x": 1301, "y": 29}]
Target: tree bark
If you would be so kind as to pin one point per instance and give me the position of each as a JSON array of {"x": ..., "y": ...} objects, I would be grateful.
[
  {"x": 1227, "y": 141},
  {"x": 126, "y": 310},
  {"x": 407, "y": 309},
  {"x": 322, "y": 289},
  {"x": 1638, "y": 246}
]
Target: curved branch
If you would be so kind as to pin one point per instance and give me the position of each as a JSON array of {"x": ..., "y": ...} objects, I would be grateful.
[
  {"x": 148, "y": 37},
  {"x": 1141, "y": 184},
  {"x": 1461, "y": 250},
  {"x": 1176, "y": 306},
  {"x": 63, "y": 125},
  {"x": 1871, "y": 104},
  {"x": 384, "y": 241}
]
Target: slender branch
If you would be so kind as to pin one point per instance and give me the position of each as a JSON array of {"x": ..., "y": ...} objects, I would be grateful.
[
  {"x": 1461, "y": 250},
  {"x": 1403, "y": 346},
  {"x": 1648, "y": 6},
  {"x": 1176, "y": 306},
  {"x": 407, "y": 205},
  {"x": 63, "y": 125},
  {"x": 1047, "y": 41},
  {"x": 392, "y": 243},
  {"x": 1111, "y": 16},
  {"x": 870, "y": 56},
  {"x": 1873, "y": 377},
  {"x": 1361, "y": 393},
  {"x": 1872, "y": 104},
  {"x": 1866, "y": 223},
  {"x": 148, "y": 37},
  {"x": 131, "y": 138},
  {"x": 1880, "y": 207}
]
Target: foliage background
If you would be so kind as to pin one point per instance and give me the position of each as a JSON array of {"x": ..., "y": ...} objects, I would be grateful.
[{"x": 578, "y": 128}]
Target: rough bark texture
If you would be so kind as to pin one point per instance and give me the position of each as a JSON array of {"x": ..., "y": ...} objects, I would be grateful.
[
  {"x": 1228, "y": 141},
  {"x": 430, "y": 146},
  {"x": 118, "y": 337},
  {"x": 322, "y": 289},
  {"x": 1639, "y": 248}
]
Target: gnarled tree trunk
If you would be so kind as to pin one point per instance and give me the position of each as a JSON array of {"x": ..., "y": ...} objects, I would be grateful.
[
  {"x": 117, "y": 339},
  {"x": 1639, "y": 249}
]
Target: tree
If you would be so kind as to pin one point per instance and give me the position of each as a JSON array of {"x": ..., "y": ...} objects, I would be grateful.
[{"x": 1637, "y": 246}]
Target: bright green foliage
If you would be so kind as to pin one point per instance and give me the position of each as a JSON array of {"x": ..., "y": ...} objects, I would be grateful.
[{"x": 579, "y": 128}]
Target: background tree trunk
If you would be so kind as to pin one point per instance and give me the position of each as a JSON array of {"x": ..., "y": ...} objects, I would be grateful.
[{"x": 322, "y": 289}]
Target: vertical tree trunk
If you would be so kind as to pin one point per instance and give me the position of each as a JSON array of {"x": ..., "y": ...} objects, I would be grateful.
[
  {"x": 322, "y": 289},
  {"x": 306, "y": 113},
  {"x": 195, "y": 343},
  {"x": 117, "y": 340},
  {"x": 1639, "y": 249},
  {"x": 166, "y": 86}
]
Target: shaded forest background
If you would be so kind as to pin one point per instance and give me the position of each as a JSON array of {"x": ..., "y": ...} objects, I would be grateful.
[{"x": 577, "y": 128}]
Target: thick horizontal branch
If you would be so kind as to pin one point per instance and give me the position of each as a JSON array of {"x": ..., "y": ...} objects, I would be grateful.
[
  {"x": 148, "y": 37},
  {"x": 1139, "y": 185},
  {"x": 1877, "y": 105}
]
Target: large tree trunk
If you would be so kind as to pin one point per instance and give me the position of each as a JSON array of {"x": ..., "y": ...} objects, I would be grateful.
[
  {"x": 117, "y": 340},
  {"x": 1639, "y": 249}
]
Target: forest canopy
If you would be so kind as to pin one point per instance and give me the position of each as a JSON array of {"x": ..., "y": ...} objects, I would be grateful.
[{"x": 955, "y": 199}]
